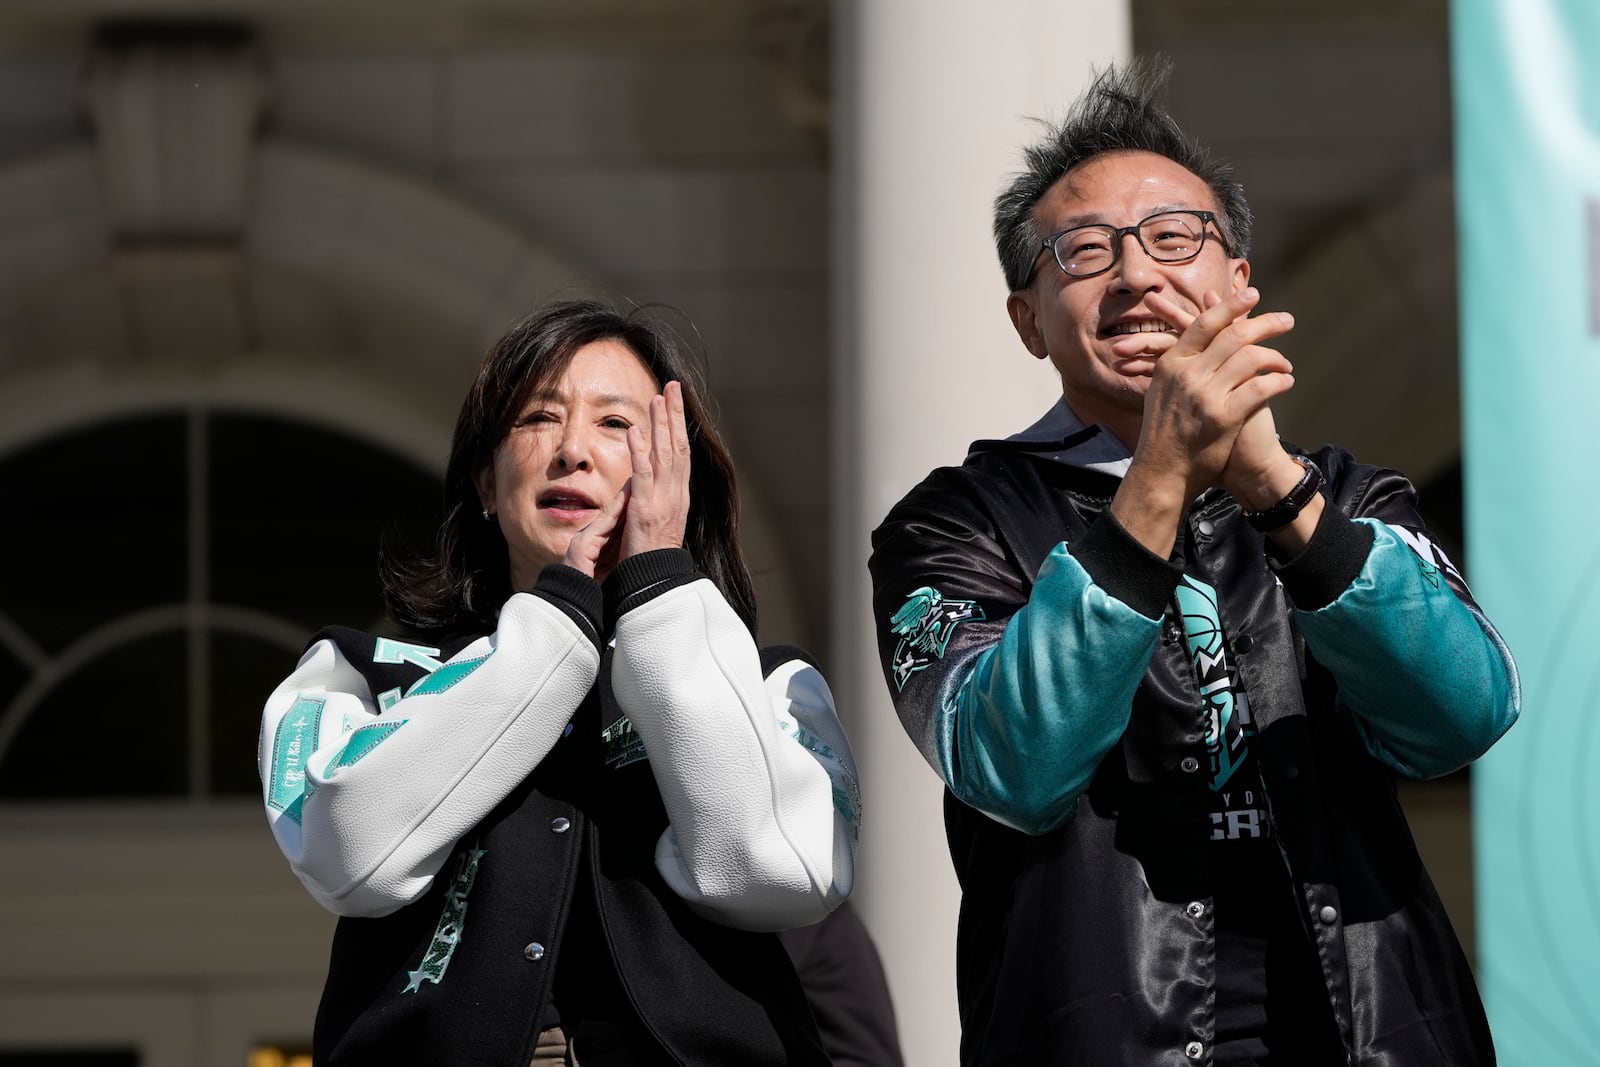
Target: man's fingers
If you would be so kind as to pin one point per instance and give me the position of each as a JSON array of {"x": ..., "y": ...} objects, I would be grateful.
[
  {"x": 1262, "y": 327},
  {"x": 1224, "y": 343},
  {"x": 1254, "y": 394},
  {"x": 1251, "y": 359},
  {"x": 1224, "y": 325},
  {"x": 1178, "y": 316},
  {"x": 1204, "y": 328}
]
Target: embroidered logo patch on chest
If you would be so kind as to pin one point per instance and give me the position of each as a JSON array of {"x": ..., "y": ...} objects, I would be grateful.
[
  {"x": 1229, "y": 725},
  {"x": 925, "y": 623},
  {"x": 623, "y": 744}
]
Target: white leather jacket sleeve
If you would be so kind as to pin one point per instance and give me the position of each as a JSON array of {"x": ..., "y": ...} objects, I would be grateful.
[
  {"x": 756, "y": 773},
  {"x": 366, "y": 804}
]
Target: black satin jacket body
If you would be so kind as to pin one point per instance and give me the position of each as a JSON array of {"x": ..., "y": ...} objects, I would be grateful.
[{"x": 1093, "y": 943}]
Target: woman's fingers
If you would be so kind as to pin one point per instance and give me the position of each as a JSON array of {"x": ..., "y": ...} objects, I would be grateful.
[
  {"x": 677, "y": 421},
  {"x": 670, "y": 435},
  {"x": 642, "y": 454},
  {"x": 588, "y": 547},
  {"x": 610, "y": 515},
  {"x": 658, "y": 510},
  {"x": 668, "y": 445},
  {"x": 669, "y": 432},
  {"x": 660, "y": 433}
]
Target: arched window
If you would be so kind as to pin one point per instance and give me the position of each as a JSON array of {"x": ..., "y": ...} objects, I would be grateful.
[{"x": 162, "y": 572}]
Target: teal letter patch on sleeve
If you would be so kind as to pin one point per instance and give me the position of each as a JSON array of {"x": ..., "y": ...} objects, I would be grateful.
[
  {"x": 296, "y": 739},
  {"x": 363, "y": 741},
  {"x": 388, "y": 650},
  {"x": 452, "y": 922},
  {"x": 446, "y": 676}
]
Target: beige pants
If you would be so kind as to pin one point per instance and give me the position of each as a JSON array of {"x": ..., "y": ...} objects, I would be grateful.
[{"x": 553, "y": 1050}]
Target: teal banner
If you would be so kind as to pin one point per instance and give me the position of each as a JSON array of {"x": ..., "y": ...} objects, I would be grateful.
[{"x": 1526, "y": 79}]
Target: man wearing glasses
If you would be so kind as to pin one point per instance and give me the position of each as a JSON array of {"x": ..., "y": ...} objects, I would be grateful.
[{"x": 1168, "y": 666}]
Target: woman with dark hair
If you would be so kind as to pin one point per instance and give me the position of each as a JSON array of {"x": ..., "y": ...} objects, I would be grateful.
[{"x": 561, "y": 818}]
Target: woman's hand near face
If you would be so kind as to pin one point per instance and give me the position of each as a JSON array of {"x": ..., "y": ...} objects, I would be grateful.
[
  {"x": 594, "y": 548},
  {"x": 658, "y": 492}
]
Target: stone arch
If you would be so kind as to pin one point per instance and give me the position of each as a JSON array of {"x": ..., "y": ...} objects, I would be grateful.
[{"x": 353, "y": 294}]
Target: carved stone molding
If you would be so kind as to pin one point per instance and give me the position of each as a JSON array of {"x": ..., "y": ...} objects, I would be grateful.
[{"x": 175, "y": 109}]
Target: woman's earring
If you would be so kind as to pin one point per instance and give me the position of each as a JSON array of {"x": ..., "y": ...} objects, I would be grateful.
[{"x": 486, "y": 515}]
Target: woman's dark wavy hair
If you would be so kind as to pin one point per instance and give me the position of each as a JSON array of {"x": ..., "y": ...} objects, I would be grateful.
[
  {"x": 1117, "y": 113},
  {"x": 466, "y": 579}
]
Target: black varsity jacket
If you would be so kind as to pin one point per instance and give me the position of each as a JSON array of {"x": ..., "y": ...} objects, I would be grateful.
[
  {"x": 1036, "y": 654},
  {"x": 696, "y": 807}
]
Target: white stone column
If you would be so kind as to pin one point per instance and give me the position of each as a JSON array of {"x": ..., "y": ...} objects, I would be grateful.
[{"x": 931, "y": 106}]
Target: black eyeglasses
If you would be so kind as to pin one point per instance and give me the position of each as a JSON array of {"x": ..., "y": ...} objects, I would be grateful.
[{"x": 1167, "y": 237}]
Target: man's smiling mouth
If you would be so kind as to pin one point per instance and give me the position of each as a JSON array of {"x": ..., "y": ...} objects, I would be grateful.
[{"x": 1141, "y": 326}]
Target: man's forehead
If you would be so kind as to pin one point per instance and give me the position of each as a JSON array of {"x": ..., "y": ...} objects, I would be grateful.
[{"x": 1114, "y": 185}]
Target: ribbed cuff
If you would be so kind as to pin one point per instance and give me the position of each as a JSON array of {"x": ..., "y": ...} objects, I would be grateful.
[
  {"x": 573, "y": 592},
  {"x": 1126, "y": 569},
  {"x": 640, "y": 579},
  {"x": 1329, "y": 562}
]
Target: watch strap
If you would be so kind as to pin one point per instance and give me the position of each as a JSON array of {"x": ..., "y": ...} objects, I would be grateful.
[{"x": 1288, "y": 509}]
